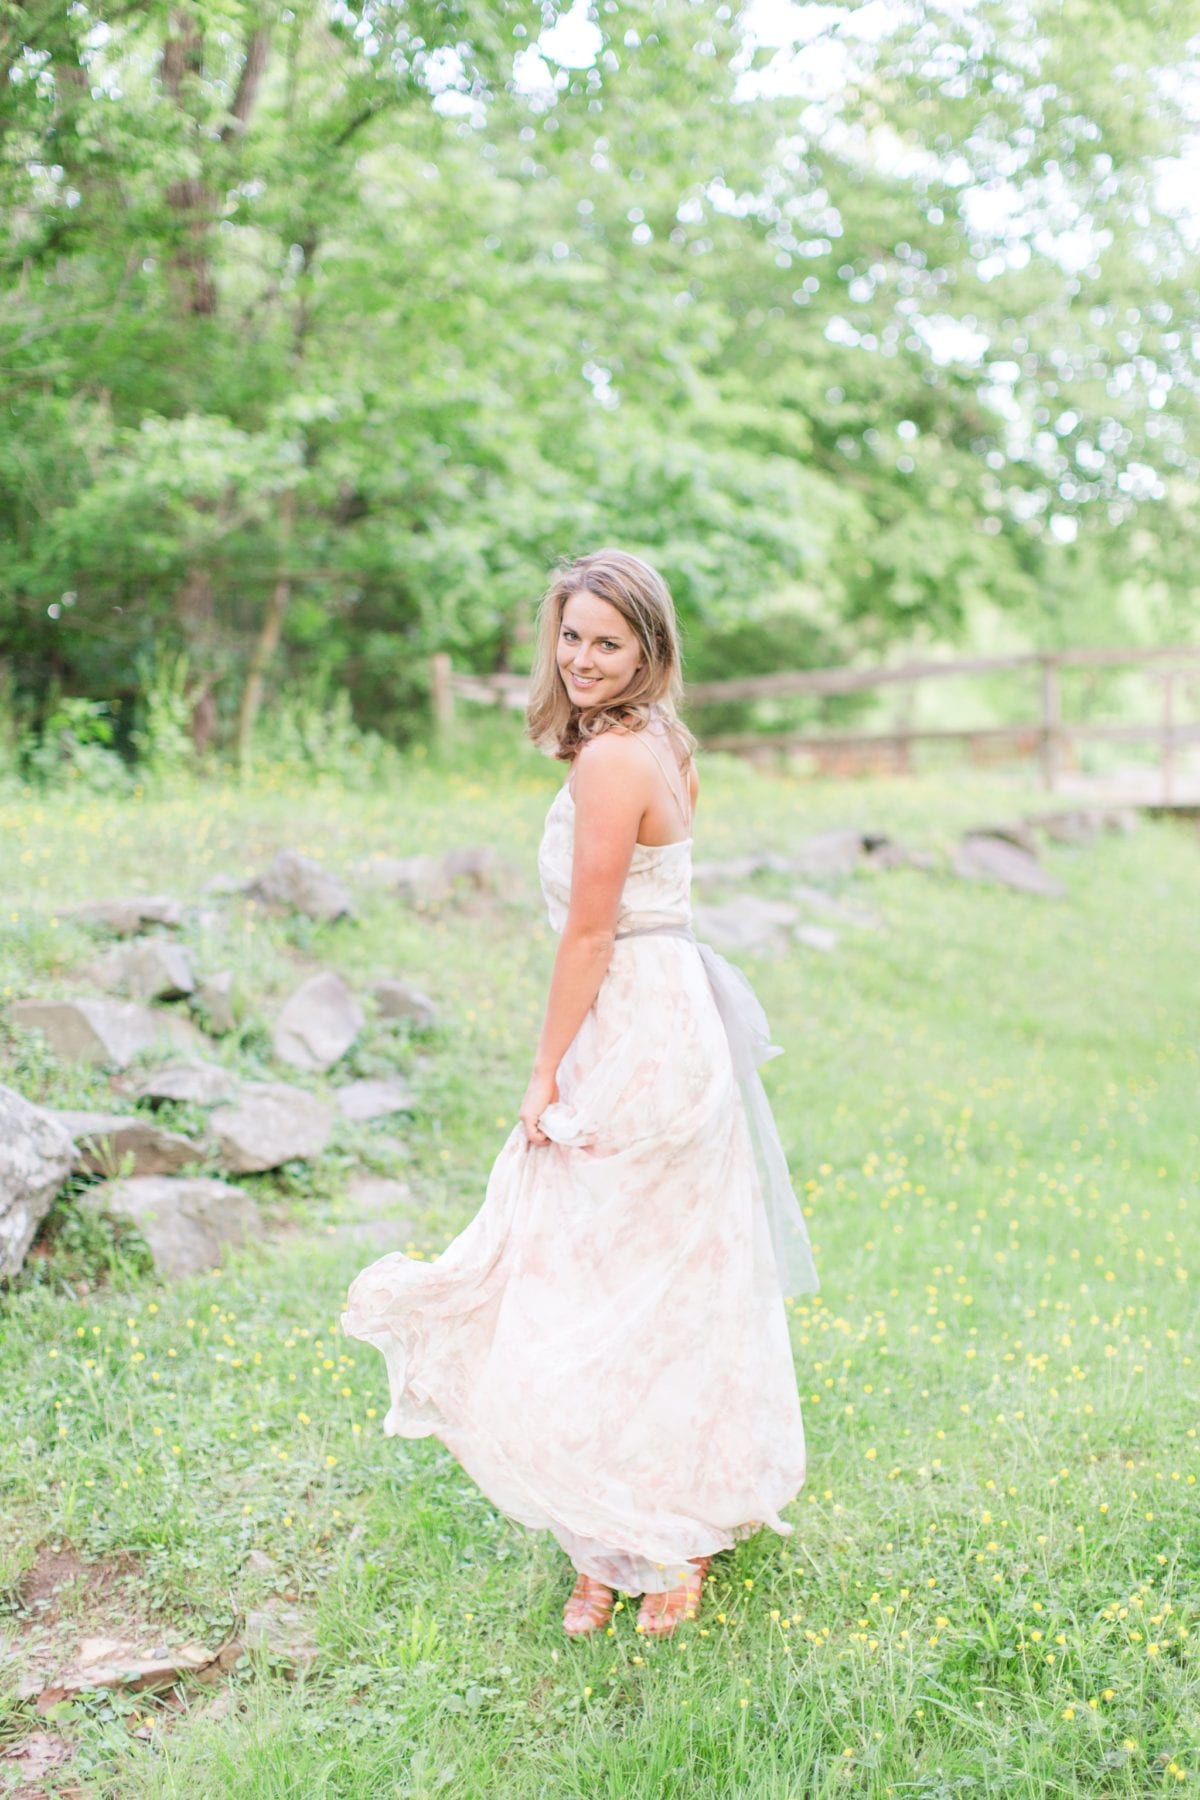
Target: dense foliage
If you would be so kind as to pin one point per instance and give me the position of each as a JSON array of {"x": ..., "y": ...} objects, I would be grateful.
[{"x": 326, "y": 326}]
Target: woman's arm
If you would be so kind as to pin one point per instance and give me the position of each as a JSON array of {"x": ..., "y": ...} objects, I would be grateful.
[{"x": 613, "y": 787}]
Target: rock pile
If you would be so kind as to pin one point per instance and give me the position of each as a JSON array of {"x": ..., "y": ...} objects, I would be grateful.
[{"x": 156, "y": 1178}]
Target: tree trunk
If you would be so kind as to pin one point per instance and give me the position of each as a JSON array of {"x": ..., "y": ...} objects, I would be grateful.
[
  {"x": 194, "y": 612},
  {"x": 190, "y": 197},
  {"x": 254, "y": 62},
  {"x": 271, "y": 628},
  {"x": 267, "y": 642}
]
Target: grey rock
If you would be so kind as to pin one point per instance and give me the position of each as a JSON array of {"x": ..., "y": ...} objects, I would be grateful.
[
  {"x": 134, "y": 1664},
  {"x": 269, "y": 1124},
  {"x": 1080, "y": 828},
  {"x": 750, "y": 924},
  {"x": 35, "y": 1160},
  {"x": 417, "y": 880},
  {"x": 296, "y": 881},
  {"x": 829, "y": 856},
  {"x": 374, "y": 1099},
  {"x": 200, "y": 1083},
  {"x": 188, "y": 1223},
  {"x": 1011, "y": 831},
  {"x": 214, "y": 998},
  {"x": 112, "y": 1032},
  {"x": 103, "y": 1140},
  {"x": 125, "y": 918},
  {"x": 147, "y": 969},
  {"x": 282, "y": 1634},
  {"x": 887, "y": 855},
  {"x": 980, "y": 858},
  {"x": 400, "y": 1000},
  {"x": 817, "y": 937},
  {"x": 476, "y": 864},
  {"x": 379, "y": 870},
  {"x": 318, "y": 1024}
]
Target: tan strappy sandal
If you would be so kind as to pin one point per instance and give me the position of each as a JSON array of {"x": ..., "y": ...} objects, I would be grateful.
[
  {"x": 661, "y": 1614},
  {"x": 589, "y": 1607}
]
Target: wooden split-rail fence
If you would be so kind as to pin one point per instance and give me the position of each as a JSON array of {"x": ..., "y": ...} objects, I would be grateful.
[{"x": 1047, "y": 735}]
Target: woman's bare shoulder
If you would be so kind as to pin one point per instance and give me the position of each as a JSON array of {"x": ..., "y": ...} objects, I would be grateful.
[{"x": 613, "y": 748}]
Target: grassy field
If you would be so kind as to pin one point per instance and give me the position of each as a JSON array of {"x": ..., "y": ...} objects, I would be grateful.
[{"x": 991, "y": 1105}]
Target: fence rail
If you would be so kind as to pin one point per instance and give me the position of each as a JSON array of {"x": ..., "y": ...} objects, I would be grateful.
[{"x": 1047, "y": 736}]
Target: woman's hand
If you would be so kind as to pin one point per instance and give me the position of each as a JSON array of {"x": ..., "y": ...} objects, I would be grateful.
[{"x": 541, "y": 1093}]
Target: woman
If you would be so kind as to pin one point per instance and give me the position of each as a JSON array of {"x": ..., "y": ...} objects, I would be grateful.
[{"x": 605, "y": 1347}]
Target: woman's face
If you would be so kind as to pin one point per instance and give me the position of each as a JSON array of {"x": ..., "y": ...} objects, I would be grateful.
[{"x": 598, "y": 650}]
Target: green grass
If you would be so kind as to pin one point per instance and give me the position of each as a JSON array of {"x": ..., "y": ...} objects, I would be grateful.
[{"x": 993, "y": 1587}]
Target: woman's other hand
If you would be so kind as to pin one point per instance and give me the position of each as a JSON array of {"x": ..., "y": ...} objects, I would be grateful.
[{"x": 541, "y": 1093}]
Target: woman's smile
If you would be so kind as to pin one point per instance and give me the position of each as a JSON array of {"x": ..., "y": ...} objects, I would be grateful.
[{"x": 593, "y": 629}]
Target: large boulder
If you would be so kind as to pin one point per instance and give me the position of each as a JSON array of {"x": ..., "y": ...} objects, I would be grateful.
[
  {"x": 112, "y": 1032},
  {"x": 124, "y": 918},
  {"x": 318, "y": 1024},
  {"x": 374, "y": 1099},
  {"x": 104, "y": 1140},
  {"x": 35, "y": 1160},
  {"x": 400, "y": 1000},
  {"x": 147, "y": 969},
  {"x": 269, "y": 1124},
  {"x": 187, "y": 1223},
  {"x": 296, "y": 881},
  {"x": 981, "y": 857},
  {"x": 198, "y": 1083}
]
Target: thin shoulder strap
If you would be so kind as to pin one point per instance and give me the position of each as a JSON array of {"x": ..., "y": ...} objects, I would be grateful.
[{"x": 644, "y": 737}]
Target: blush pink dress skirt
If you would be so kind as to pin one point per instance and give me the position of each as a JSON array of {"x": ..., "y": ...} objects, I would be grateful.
[{"x": 605, "y": 1347}]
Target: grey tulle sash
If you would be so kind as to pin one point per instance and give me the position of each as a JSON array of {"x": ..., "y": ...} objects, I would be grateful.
[{"x": 750, "y": 1044}]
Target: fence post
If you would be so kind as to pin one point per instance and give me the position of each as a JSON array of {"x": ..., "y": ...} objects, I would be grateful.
[
  {"x": 1051, "y": 720},
  {"x": 441, "y": 693},
  {"x": 1168, "y": 737},
  {"x": 902, "y": 725}
]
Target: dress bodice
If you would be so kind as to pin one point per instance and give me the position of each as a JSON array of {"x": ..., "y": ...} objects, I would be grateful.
[{"x": 658, "y": 887}]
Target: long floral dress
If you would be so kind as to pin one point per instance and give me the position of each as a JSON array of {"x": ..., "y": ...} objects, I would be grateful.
[{"x": 605, "y": 1347}]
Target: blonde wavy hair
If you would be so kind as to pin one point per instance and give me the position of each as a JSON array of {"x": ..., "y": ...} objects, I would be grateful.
[{"x": 641, "y": 596}]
